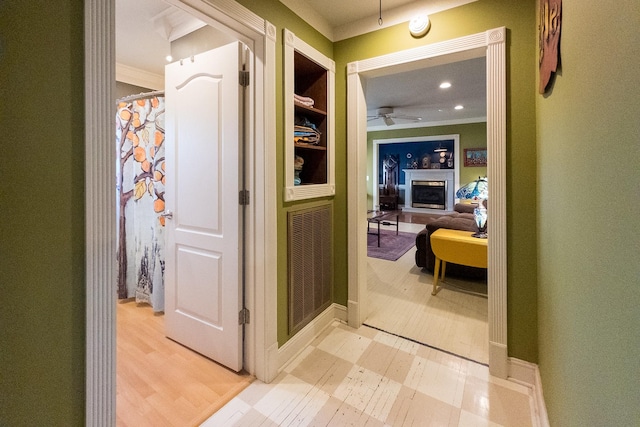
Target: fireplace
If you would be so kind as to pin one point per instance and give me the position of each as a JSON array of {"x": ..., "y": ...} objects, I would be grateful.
[
  {"x": 429, "y": 194},
  {"x": 433, "y": 190}
]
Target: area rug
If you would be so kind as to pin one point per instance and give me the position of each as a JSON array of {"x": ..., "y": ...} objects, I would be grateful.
[{"x": 391, "y": 247}]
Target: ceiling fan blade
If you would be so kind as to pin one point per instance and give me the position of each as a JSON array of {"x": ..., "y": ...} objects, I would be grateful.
[
  {"x": 388, "y": 121},
  {"x": 406, "y": 117}
]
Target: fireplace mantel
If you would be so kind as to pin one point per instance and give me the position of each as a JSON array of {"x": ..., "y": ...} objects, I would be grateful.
[{"x": 447, "y": 175}]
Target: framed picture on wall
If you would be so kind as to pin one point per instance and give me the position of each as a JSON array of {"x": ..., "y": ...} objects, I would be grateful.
[{"x": 475, "y": 157}]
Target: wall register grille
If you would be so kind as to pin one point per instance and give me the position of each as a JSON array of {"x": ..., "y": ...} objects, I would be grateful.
[{"x": 310, "y": 260}]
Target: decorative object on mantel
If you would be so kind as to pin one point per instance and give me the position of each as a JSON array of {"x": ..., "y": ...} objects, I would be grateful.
[
  {"x": 549, "y": 40},
  {"x": 477, "y": 191},
  {"x": 475, "y": 157},
  {"x": 426, "y": 162}
]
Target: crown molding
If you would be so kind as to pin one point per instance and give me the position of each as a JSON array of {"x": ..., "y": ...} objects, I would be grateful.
[{"x": 138, "y": 77}]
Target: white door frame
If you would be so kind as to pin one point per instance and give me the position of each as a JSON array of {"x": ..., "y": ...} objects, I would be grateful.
[
  {"x": 261, "y": 334},
  {"x": 492, "y": 44}
]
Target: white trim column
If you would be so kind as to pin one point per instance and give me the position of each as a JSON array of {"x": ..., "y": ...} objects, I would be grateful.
[
  {"x": 497, "y": 202},
  {"x": 100, "y": 199}
]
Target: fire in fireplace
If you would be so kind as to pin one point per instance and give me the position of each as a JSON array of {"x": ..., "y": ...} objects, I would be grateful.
[{"x": 429, "y": 194}]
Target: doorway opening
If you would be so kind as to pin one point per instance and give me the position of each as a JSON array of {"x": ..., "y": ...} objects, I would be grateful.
[
  {"x": 260, "y": 36},
  {"x": 166, "y": 143},
  {"x": 431, "y": 169},
  {"x": 492, "y": 45}
]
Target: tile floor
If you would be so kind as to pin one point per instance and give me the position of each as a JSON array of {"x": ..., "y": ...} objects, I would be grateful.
[{"x": 366, "y": 377}]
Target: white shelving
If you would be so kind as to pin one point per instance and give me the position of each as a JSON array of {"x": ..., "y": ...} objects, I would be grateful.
[{"x": 309, "y": 73}]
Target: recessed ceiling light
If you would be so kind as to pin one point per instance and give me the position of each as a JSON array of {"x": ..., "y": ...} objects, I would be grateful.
[
  {"x": 458, "y": 107},
  {"x": 169, "y": 58},
  {"x": 445, "y": 85}
]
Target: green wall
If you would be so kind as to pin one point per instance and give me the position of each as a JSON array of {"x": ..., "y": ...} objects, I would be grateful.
[
  {"x": 589, "y": 199},
  {"x": 42, "y": 323},
  {"x": 520, "y": 20},
  {"x": 469, "y": 19},
  {"x": 472, "y": 135},
  {"x": 280, "y": 16}
]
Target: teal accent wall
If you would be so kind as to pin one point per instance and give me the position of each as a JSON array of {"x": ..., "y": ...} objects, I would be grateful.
[
  {"x": 588, "y": 220},
  {"x": 472, "y": 135},
  {"x": 42, "y": 251}
]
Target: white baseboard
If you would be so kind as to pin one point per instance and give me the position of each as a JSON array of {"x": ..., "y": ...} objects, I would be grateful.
[
  {"x": 300, "y": 341},
  {"x": 528, "y": 374}
]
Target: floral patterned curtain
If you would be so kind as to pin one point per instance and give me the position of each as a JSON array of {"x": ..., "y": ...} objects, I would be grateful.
[{"x": 140, "y": 171}]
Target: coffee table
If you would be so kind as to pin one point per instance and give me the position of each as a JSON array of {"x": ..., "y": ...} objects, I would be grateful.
[
  {"x": 384, "y": 218},
  {"x": 458, "y": 247}
]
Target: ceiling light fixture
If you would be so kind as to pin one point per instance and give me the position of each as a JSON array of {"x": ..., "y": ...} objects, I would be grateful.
[
  {"x": 445, "y": 85},
  {"x": 169, "y": 58},
  {"x": 458, "y": 107},
  {"x": 419, "y": 25},
  {"x": 380, "y": 18}
]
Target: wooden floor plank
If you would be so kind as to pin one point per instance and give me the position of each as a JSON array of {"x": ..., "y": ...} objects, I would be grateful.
[{"x": 162, "y": 383}]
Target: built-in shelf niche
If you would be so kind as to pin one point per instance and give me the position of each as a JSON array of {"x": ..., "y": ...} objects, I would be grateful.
[{"x": 310, "y": 74}]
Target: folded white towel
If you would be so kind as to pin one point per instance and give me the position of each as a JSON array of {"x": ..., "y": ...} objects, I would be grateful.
[{"x": 304, "y": 100}]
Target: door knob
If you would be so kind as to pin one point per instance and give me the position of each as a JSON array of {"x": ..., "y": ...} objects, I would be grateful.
[{"x": 167, "y": 214}]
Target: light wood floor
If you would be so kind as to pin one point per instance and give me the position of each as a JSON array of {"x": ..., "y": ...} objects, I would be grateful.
[
  {"x": 160, "y": 382},
  {"x": 400, "y": 302}
]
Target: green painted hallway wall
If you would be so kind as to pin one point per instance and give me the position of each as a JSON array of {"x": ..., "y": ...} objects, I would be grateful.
[
  {"x": 42, "y": 321},
  {"x": 588, "y": 235}
]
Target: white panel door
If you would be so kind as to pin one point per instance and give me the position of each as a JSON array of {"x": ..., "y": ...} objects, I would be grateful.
[{"x": 202, "y": 271}]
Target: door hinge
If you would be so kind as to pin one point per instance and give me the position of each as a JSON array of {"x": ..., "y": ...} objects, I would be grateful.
[
  {"x": 243, "y": 317},
  {"x": 244, "y": 78},
  {"x": 243, "y": 198}
]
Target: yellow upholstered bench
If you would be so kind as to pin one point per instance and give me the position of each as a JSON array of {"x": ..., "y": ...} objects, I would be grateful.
[{"x": 458, "y": 247}]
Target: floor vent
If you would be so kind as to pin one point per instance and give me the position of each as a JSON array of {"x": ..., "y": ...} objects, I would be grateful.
[{"x": 310, "y": 258}]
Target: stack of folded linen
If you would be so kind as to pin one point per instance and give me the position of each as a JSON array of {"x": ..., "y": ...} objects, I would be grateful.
[
  {"x": 305, "y": 135},
  {"x": 305, "y": 131},
  {"x": 303, "y": 100}
]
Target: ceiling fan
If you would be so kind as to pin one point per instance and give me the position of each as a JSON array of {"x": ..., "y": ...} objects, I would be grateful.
[{"x": 387, "y": 116}]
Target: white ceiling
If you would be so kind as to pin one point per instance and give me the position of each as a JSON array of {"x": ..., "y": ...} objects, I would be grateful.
[
  {"x": 417, "y": 93},
  {"x": 145, "y": 28},
  {"x": 341, "y": 19}
]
